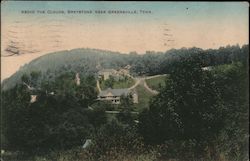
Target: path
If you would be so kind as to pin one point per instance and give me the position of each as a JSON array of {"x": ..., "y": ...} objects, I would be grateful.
[
  {"x": 138, "y": 80},
  {"x": 149, "y": 89},
  {"x": 155, "y": 76},
  {"x": 141, "y": 80}
]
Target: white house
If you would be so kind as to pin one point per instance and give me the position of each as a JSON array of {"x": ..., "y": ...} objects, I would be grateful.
[{"x": 114, "y": 95}]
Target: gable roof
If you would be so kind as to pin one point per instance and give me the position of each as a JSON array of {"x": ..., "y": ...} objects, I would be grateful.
[{"x": 115, "y": 92}]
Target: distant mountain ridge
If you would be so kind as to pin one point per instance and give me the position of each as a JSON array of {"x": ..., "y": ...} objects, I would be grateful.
[
  {"x": 73, "y": 60},
  {"x": 87, "y": 61}
]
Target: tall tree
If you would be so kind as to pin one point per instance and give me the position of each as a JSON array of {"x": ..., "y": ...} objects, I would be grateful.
[{"x": 187, "y": 108}]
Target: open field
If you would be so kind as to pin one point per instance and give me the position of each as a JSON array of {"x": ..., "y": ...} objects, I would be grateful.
[
  {"x": 118, "y": 84},
  {"x": 156, "y": 83},
  {"x": 143, "y": 97}
]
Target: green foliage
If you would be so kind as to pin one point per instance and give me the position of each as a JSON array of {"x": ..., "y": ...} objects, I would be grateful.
[
  {"x": 109, "y": 83},
  {"x": 25, "y": 78},
  {"x": 124, "y": 83},
  {"x": 127, "y": 102},
  {"x": 97, "y": 117},
  {"x": 106, "y": 105},
  {"x": 187, "y": 108},
  {"x": 125, "y": 116},
  {"x": 115, "y": 137},
  {"x": 198, "y": 115},
  {"x": 117, "y": 84},
  {"x": 85, "y": 61},
  {"x": 54, "y": 121},
  {"x": 181, "y": 150},
  {"x": 210, "y": 109},
  {"x": 232, "y": 82},
  {"x": 32, "y": 79},
  {"x": 144, "y": 97}
]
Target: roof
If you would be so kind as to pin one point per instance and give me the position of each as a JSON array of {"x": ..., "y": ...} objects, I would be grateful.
[{"x": 115, "y": 92}]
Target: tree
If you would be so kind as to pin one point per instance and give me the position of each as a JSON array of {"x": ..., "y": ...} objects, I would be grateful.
[
  {"x": 187, "y": 108},
  {"x": 54, "y": 121},
  {"x": 34, "y": 78},
  {"x": 109, "y": 82},
  {"x": 127, "y": 106},
  {"x": 115, "y": 138},
  {"x": 232, "y": 82}
]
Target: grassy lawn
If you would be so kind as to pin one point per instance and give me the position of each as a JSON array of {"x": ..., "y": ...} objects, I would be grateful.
[
  {"x": 155, "y": 83},
  {"x": 143, "y": 98},
  {"x": 119, "y": 84},
  {"x": 124, "y": 84}
]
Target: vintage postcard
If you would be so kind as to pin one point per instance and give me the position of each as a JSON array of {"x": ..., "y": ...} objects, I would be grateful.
[{"x": 124, "y": 81}]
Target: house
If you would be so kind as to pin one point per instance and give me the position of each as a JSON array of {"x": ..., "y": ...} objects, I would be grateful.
[
  {"x": 122, "y": 72},
  {"x": 114, "y": 95},
  {"x": 106, "y": 73},
  {"x": 117, "y": 74}
]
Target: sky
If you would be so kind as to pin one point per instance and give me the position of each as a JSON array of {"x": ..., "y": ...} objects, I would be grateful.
[{"x": 157, "y": 26}]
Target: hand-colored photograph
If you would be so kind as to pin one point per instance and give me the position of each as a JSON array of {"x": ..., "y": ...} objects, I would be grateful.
[{"x": 124, "y": 81}]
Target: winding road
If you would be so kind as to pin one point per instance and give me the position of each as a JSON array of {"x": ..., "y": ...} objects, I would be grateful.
[
  {"x": 141, "y": 80},
  {"x": 138, "y": 80}
]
